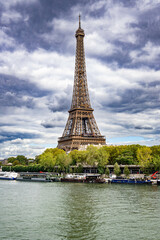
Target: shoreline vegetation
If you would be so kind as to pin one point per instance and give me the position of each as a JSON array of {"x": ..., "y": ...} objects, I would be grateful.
[{"x": 57, "y": 160}]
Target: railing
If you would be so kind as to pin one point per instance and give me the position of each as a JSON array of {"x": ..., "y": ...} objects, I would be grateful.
[{"x": 82, "y": 136}]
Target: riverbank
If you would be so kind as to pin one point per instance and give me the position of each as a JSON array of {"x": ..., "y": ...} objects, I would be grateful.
[{"x": 75, "y": 178}]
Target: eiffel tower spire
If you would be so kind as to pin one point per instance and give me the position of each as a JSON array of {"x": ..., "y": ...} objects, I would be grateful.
[
  {"x": 81, "y": 127},
  {"x": 79, "y": 21},
  {"x": 80, "y": 97}
]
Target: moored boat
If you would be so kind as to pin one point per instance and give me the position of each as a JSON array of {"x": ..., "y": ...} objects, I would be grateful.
[
  {"x": 73, "y": 178},
  {"x": 158, "y": 182},
  {"x": 131, "y": 181},
  {"x": 8, "y": 175},
  {"x": 84, "y": 178},
  {"x": 34, "y": 177}
]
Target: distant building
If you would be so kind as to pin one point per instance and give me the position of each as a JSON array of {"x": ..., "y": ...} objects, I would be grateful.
[{"x": 4, "y": 161}]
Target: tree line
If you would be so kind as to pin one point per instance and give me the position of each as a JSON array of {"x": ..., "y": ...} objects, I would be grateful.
[{"x": 54, "y": 159}]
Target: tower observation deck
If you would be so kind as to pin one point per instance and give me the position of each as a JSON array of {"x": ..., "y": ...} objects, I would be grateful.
[{"x": 81, "y": 127}]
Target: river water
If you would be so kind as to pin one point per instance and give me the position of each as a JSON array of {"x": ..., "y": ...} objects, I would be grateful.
[{"x": 62, "y": 211}]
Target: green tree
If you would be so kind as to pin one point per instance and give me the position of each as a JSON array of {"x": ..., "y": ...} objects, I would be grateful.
[
  {"x": 6, "y": 168},
  {"x": 63, "y": 161},
  {"x": 126, "y": 171},
  {"x": 101, "y": 170},
  {"x": 11, "y": 159},
  {"x": 22, "y": 159},
  {"x": 102, "y": 157},
  {"x": 125, "y": 158},
  {"x": 37, "y": 159},
  {"x": 156, "y": 163},
  {"x": 144, "y": 157},
  {"x": 49, "y": 158},
  {"x": 117, "y": 170},
  {"x": 47, "y": 161},
  {"x": 92, "y": 155},
  {"x": 107, "y": 172},
  {"x": 155, "y": 150},
  {"x": 115, "y": 151},
  {"x": 20, "y": 168},
  {"x": 77, "y": 157},
  {"x": 16, "y": 162},
  {"x": 79, "y": 168}
]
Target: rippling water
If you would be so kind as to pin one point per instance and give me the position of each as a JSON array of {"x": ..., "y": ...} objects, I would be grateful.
[{"x": 59, "y": 211}]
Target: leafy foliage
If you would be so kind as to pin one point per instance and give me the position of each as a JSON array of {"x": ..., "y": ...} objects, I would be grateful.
[
  {"x": 144, "y": 157},
  {"x": 19, "y": 159},
  {"x": 126, "y": 171},
  {"x": 107, "y": 172},
  {"x": 156, "y": 163},
  {"x": 78, "y": 157},
  {"x": 50, "y": 157},
  {"x": 56, "y": 159},
  {"x": 92, "y": 155},
  {"x": 117, "y": 170}
]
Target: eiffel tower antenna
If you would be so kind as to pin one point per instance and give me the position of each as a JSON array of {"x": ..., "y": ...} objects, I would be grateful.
[
  {"x": 79, "y": 21},
  {"x": 81, "y": 127}
]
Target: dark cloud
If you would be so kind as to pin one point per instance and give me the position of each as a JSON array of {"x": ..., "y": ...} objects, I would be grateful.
[
  {"x": 58, "y": 121},
  {"x": 32, "y": 26},
  {"x": 52, "y": 124},
  {"x": 143, "y": 128},
  {"x": 13, "y": 89},
  {"x": 47, "y": 125},
  {"x": 150, "y": 85},
  {"x": 59, "y": 105},
  {"x": 34, "y": 23},
  {"x": 135, "y": 100},
  {"x": 146, "y": 28},
  {"x": 9, "y": 136},
  {"x": 61, "y": 102},
  {"x": 149, "y": 28}
]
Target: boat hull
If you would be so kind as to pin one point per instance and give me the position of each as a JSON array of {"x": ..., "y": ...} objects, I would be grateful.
[
  {"x": 32, "y": 180},
  {"x": 158, "y": 182},
  {"x": 72, "y": 180},
  {"x": 7, "y": 178},
  {"x": 130, "y": 181}
]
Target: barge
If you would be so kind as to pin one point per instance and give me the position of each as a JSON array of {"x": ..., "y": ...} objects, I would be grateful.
[
  {"x": 34, "y": 177},
  {"x": 131, "y": 181},
  {"x": 83, "y": 178}
]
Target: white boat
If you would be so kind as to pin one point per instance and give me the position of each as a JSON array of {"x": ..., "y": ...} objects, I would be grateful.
[{"x": 8, "y": 175}]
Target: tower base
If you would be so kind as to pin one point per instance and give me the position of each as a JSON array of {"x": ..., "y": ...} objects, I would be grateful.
[{"x": 75, "y": 142}]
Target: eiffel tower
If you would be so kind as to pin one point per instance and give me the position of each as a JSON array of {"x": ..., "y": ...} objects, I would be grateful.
[{"x": 81, "y": 128}]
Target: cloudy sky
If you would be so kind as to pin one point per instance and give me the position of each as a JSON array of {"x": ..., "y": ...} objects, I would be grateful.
[{"x": 37, "y": 57}]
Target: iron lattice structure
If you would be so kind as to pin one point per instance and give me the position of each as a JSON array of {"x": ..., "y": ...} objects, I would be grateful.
[{"x": 81, "y": 127}]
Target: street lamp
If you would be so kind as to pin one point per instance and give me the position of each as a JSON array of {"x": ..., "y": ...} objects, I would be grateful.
[{"x": 10, "y": 164}]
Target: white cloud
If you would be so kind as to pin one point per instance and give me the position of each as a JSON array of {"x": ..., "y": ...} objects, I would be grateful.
[
  {"x": 49, "y": 70},
  {"x": 5, "y": 40},
  {"x": 144, "y": 5},
  {"x": 10, "y": 3},
  {"x": 101, "y": 32},
  {"x": 149, "y": 53},
  {"x": 97, "y": 5},
  {"x": 96, "y": 45},
  {"x": 10, "y": 15}
]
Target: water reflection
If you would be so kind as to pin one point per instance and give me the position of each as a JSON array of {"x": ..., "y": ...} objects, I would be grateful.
[{"x": 80, "y": 212}]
